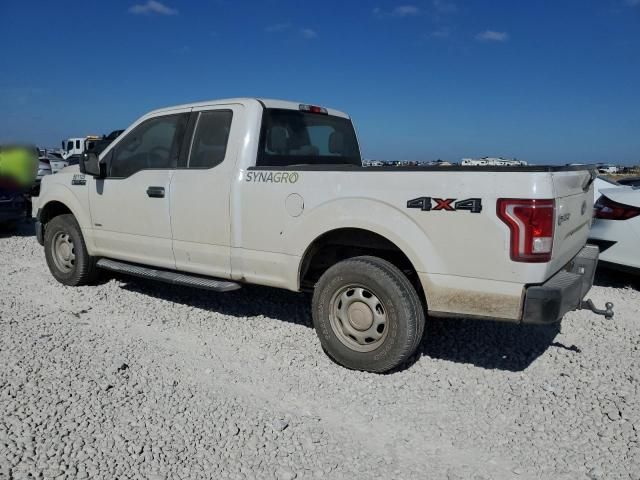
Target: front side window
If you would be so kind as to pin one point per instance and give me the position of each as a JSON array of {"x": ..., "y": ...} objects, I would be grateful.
[
  {"x": 69, "y": 146},
  {"x": 210, "y": 138},
  {"x": 291, "y": 137},
  {"x": 152, "y": 144},
  {"x": 78, "y": 144}
]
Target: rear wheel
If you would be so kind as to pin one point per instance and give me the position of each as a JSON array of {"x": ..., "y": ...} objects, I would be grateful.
[
  {"x": 66, "y": 253},
  {"x": 367, "y": 314}
]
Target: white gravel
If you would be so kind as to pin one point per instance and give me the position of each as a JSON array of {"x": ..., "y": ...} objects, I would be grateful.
[{"x": 133, "y": 379}]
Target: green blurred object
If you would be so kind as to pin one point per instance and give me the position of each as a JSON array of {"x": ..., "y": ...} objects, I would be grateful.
[{"x": 19, "y": 165}]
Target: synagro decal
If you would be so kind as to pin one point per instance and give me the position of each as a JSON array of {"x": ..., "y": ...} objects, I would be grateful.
[
  {"x": 428, "y": 204},
  {"x": 272, "y": 177}
]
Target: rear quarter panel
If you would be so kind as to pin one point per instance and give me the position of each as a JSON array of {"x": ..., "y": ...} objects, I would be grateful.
[{"x": 445, "y": 243}]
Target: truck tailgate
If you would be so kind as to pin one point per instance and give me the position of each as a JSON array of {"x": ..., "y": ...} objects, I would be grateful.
[{"x": 574, "y": 210}]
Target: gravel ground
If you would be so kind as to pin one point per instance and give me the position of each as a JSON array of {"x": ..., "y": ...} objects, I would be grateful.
[{"x": 133, "y": 379}]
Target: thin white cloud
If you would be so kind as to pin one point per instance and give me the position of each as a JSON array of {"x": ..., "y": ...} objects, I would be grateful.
[
  {"x": 152, "y": 7},
  {"x": 308, "y": 33},
  {"x": 444, "y": 6},
  {"x": 399, "y": 11},
  {"x": 277, "y": 27},
  {"x": 440, "y": 33},
  {"x": 492, "y": 36},
  {"x": 405, "y": 11}
]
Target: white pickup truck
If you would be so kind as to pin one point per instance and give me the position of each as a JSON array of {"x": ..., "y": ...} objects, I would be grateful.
[{"x": 223, "y": 193}]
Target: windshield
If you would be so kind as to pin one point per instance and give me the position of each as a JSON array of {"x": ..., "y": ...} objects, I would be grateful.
[{"x": 291, "y": 137}]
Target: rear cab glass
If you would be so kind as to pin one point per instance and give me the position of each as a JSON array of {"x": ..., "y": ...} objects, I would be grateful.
[{"x": 291, "y": 137}]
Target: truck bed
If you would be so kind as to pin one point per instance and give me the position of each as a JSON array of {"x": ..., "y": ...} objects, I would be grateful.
[{"x": 430, "y": 168}]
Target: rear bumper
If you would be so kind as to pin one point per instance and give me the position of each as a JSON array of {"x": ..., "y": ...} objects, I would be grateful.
[{"x": 547, "y": 303}]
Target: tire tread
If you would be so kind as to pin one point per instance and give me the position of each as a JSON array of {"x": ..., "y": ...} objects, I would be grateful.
[{"x": 388, "y": 273}]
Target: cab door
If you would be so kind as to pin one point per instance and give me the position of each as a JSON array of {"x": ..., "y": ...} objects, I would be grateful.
[
  {"x": 200, "y": 191},
  {"x": 130, "y": 207}
]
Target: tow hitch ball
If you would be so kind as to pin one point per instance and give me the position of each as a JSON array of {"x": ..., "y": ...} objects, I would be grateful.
[{"x": 607, "y": 312}]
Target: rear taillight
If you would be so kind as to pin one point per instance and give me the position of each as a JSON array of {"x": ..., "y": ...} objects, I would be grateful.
[
  {"x": 531, "y": 224},
  {"x": 607, "y": 209}
]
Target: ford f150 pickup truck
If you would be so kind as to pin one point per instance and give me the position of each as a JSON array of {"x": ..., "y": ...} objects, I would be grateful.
[{"x": 223, "y": 193}]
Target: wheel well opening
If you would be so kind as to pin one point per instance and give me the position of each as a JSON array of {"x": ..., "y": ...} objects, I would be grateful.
[
  {"x": 52, "y": 210},
  {"x": 337, "y": 245}
]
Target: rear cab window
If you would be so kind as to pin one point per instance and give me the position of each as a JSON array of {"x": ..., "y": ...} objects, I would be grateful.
[
  {"x": 292, "y": 137},
  {"x": 211, "y": 135}
]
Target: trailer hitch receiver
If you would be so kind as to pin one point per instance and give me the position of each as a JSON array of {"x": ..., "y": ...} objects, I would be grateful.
[{"x": 607, "y": 312}]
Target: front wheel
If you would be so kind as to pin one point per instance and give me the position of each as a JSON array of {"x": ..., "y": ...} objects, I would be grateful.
[
  {"x": 367, "y": 314},
  {"x": 66, "y": 253}
]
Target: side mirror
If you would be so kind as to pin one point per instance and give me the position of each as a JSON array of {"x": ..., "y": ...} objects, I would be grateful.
[{"x": 90, "y": 165}]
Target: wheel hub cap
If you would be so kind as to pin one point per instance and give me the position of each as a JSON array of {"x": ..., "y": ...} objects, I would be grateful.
[
  {"x": 63, "y": 252},
  {"x": 360, "y": 316}
]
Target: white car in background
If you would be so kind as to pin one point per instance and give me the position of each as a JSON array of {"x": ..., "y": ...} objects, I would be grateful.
[
  {"x": 601, "y": 183},
  {"x": 57, "y": 162},
  {"x": 616, "y": 227}
]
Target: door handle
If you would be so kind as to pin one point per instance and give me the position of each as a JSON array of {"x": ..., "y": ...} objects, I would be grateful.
[{"x": 155, "y": 192}]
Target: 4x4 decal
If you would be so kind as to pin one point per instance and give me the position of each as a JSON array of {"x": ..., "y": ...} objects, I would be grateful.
[{"x": 428, "y": 204}]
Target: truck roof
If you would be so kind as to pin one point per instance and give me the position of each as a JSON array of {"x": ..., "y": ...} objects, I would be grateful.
[{"x": 249, "y": 102}]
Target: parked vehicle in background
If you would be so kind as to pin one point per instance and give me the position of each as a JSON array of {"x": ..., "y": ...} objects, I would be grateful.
[
  {"x": 223, "y": 193},
  {"x": 99, "y": 145},
  {"x": 44, "y": 169},
  {"x": 56, "y": 163},
  {"x": 77, "y": 146},
  {"x": 607, "y": 169},
  {"x": 616, "y": 228},
  {"x": 13, "y": 206},
  {"x": 601, "y": 183},
  {"x": 630, "y": 181},
  {"x": 72, "y": 146},
  {"x": 493, "y": 161},
  {"x": 73, "y": 160}
]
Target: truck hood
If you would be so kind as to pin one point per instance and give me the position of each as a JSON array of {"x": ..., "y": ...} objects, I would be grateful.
[{"x": 625, "y": 195}]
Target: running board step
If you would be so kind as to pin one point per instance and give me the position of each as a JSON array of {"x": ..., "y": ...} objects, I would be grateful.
[{"x": 174, "y": 278}]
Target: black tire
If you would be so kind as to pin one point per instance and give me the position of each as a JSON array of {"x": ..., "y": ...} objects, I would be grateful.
[
  {"x": 394, "y": 298},
  {"x": 82, "y": 270}
]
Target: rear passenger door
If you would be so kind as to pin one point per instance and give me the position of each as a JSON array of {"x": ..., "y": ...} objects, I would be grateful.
[{"x": 200, "y": 191}]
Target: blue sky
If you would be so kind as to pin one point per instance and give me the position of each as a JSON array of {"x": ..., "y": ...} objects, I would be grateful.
[{"x": 546, "y": 81}]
